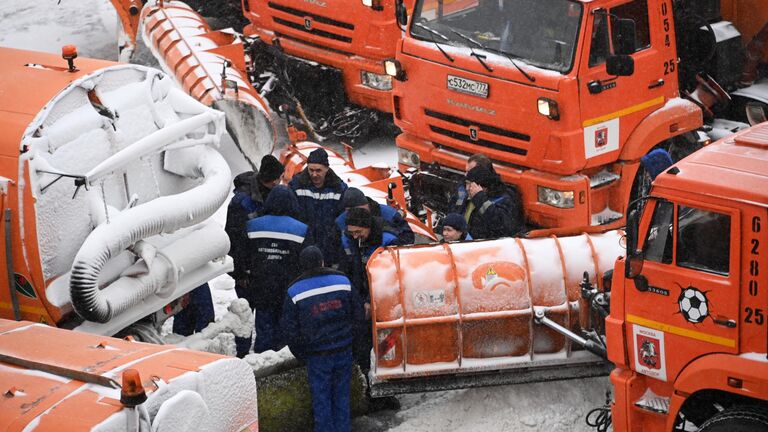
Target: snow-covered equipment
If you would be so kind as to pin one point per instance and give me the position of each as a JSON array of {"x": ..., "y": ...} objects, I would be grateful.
[
  {"x": 93, "y": 383},
  {"x": 378, "y": 182},
  {"x": 477, "y": 313},
  {"x": 210, "y": 66},
  {"x": 110, "y": 175}
]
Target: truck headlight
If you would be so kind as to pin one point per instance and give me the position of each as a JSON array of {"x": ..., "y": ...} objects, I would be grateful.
[
  {"x": 407, "y": 157},
  {"x": 376, "y": 81},
  {"x": 373, "y": 4},
  {"x": 555, "y": 198},
  {"x": 548, "y": 108},
  {"x": 394, "y": 69}
]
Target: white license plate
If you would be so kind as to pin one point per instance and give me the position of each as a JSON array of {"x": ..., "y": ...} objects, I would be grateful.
[{"x": 468, "y": 86}]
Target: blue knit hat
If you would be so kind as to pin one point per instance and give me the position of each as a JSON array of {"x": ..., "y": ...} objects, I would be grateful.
[
  {"x": 318, "y": 156},
  {"x": 455, "y": 221}
]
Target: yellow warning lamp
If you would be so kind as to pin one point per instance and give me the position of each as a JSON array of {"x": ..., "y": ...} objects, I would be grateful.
[
  {"x": 132, "y": 392},
  {"x": 69, "y": 53}
]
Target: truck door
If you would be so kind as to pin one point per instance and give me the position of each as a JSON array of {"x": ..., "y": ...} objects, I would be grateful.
[
  {"x": 686, "y": 302},
  {"x": 611, "y": 107},
  {"x": 754, "y": 295}
]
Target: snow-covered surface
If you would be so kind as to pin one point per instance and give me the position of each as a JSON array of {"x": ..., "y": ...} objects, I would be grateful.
[
  {"x": 547, "y": 407},
  {"x": 219, "y": 397},
  {"x": 141, "y": 147}
]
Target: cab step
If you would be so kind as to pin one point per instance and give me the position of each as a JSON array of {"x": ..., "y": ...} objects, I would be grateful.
[
  {"x": 603, "y": 178},
  {"x": 652, "y": 402}
]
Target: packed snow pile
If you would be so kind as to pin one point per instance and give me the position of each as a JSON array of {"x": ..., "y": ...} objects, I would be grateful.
[
  {"x": 219, "y": 337},
  {"x": 271, "y": 362},
  {"x": 559, "y": 406}
]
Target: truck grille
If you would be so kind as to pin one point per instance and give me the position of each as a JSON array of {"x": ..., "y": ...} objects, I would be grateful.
[
  {"x": 488, "y": 142},
  {"x": 301, "y": 15}
]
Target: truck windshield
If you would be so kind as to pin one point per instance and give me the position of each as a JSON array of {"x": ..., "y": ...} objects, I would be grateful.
[{"x": 542, "y": 33}]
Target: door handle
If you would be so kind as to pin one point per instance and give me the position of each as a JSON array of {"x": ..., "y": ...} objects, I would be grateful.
[
  {"x": 658, "y": 83},
  {"x": 723, "y": 321}
]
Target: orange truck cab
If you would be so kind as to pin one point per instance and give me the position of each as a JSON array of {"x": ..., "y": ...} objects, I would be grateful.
[
  {"x": 564, "y": 96},
  {"x": 687, "y": 328},
  {"x": 58, "y": 380},
  {"x": 348, "y": 40}
]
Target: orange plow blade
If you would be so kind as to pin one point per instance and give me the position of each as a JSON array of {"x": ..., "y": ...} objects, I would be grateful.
[
  {"x": 210, "y": 66},
  {"x": 444, "y": 315},
  {"x": 128, "y": 12},
  {"x": 376, "y": 181}
]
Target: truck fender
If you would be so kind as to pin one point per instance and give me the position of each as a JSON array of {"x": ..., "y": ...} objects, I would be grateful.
[
  {"x": 676, "y": 117},
  {"x": 746, "y": 373}
]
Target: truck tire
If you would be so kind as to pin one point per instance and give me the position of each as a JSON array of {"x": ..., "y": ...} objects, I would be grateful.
[
  {"x": 738, "y": 419},
  {"x": 142, "y": 332}
]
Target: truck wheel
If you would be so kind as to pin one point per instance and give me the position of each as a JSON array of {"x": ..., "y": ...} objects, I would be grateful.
[
  {"x": 142, "y": 332},
  {"x": 739, "y": 419}
]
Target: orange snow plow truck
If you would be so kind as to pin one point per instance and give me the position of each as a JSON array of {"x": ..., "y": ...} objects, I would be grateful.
[
  {"x": 328, "y": 57},
  {"x": 59, "y": 380},
  {"x": 566, "y": 96},
  {"x": 682, "y": 317}
]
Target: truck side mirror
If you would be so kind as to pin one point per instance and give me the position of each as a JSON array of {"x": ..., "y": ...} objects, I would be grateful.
[
  {"x": 620, "y": 65},
  {"x": 633, "y": 264},
  {"x": 624, "y": 42},
  {"x": 401, "y": 13}
]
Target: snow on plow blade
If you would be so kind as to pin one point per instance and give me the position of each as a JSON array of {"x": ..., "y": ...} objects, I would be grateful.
[
  {"x": 377, "y": 182},
  {"x": 462, "y": 314},
  {"x": 209, "y": 65}
]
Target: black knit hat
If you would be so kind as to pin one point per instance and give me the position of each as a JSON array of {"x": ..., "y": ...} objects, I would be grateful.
[
  {"x": 311, "y": 257},
  {"x": 359, "y": 217},
  {"x": 243, "y": 179},
  {"x": 271, "y": 169},
  {"x": 482, "y": 175},
  {"x": 354, "y": 197},
  {"x": 318, "y": 156},
  {"x": 455, "y": 221}
]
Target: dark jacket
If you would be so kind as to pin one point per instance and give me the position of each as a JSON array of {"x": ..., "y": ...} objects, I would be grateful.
[
  {"x": 497, "y": 213},
  {"x": 358, "y": 253},
  {"x": 275, "y": 241},
  {"x": 319, "y": 208},
  {"x": 319, "y": 312},
  {"x": 394, "y": 222},
  {"x": 241, "y": 208}
]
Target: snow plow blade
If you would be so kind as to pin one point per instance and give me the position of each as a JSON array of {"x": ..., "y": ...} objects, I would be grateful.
[
  {"x": 473, "y": 320},
  {"x": 210, "y": 66},
  {"x": 377, "y": 181},
  {"x": 586, "y": 365}
]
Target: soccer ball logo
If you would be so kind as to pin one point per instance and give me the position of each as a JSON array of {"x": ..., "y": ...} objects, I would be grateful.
[{"x": 693, "y": 305}]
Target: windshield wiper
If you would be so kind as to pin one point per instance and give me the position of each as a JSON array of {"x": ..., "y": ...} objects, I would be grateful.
[
  {"x": 530, "y": 77},
  {"x": 479, "y": 57},
  {"x": 479, "y": 45},
  {"x": 433, "y": 33}
]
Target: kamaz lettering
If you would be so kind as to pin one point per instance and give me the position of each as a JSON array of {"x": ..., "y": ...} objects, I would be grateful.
[{"x": 471, "y": 107}]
